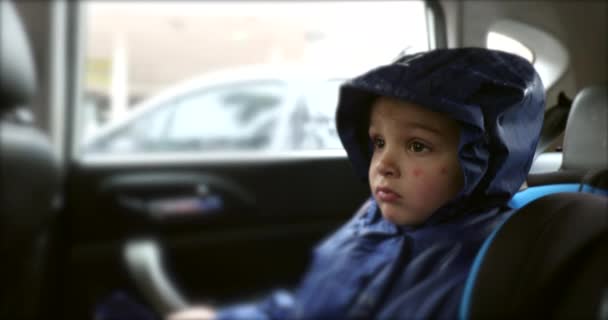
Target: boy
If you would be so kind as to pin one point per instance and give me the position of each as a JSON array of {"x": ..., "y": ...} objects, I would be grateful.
[{"x": 444, "y": 139}]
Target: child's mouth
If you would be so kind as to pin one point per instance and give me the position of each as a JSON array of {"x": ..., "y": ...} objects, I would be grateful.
[{"x": 386, "y": 194}]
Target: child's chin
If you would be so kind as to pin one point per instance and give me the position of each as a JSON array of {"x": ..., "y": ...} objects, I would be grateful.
[{"x": 398, "y": 216}]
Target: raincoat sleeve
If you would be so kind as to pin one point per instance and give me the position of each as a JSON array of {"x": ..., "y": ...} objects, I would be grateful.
[
  {"x": 276, "y": 306},
  {"x": 282, "y": 303}
]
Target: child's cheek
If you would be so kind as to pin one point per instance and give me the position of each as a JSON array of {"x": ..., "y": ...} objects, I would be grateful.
[
  {"x": 423, "y": 182},
  {"x": 428, "y": 183},
  {"x": 429, "y": 174},
  {"x": 417, "y": 172}
]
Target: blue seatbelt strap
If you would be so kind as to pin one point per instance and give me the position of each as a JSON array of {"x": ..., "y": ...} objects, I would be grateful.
[
  {"x": 465, "y": 303},
  {"x": 530, "y": 194}
]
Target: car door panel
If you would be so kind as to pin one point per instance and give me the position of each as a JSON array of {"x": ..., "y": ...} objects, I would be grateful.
[{"x": 226, "y": 230}]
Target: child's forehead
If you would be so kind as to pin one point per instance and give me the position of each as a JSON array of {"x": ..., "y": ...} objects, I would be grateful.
[{"x": 386, "y": 109}]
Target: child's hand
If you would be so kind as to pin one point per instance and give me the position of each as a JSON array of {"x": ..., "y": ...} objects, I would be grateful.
[{"x": 193, "y": 313}]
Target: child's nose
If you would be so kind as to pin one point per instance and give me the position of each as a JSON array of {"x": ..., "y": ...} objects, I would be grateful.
[{"x": 387, "y": 166}]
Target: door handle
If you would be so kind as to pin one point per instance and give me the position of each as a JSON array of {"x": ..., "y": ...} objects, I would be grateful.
[{"x": 164, "y": 195}]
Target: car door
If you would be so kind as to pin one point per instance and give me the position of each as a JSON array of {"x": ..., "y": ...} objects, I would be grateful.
[
  {"x": 220, "y": 224},
  {"x": 225, "y": 224}
]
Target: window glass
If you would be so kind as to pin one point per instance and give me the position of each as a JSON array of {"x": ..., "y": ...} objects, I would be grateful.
[
  {"x": 143, "y": 135},
  {"x": 229, "y": 117},
  {"x": 237, "y": 75},
  {"x": 546, "y": 52}
]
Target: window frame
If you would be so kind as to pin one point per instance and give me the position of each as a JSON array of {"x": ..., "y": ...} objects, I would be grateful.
[{"x": 551, "y": 58}]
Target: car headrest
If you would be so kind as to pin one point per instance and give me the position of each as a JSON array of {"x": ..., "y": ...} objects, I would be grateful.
[
  {"x": 586, "y": 137},
  {"x": 17, "y": 73}
]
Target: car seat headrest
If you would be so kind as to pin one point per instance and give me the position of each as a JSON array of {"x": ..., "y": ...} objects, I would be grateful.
[
  {"x": 586, "y": 137},
  {"x": 17, "y": 73}
]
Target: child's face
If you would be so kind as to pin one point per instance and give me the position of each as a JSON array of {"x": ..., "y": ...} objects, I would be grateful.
[{"x": 414, "y": 168}]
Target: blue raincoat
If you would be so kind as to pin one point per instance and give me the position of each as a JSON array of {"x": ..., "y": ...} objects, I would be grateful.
[{"x": 371, "y": 268}]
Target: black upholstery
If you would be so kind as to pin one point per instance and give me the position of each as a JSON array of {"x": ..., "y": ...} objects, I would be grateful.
[
  {"x": 17, "y": 75},
  {"x": 29, "y": 179},
  {"x": 549, "y": 260}
]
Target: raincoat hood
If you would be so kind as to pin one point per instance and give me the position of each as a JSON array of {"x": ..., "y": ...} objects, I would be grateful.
[{"x": 496, "y": 97}]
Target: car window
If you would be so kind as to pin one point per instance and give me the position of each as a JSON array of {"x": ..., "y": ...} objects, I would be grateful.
[
  {"x": 308, "y": 46},
  {"x": 318, "y": 121},
  {"x": 144, "y": 134},
  {"x": 239, "y": 116}
]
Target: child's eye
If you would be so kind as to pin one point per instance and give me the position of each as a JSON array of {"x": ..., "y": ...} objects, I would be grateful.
[
  {"x": 418, "y": 147},
  {"x": 378, "y": 142}
]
